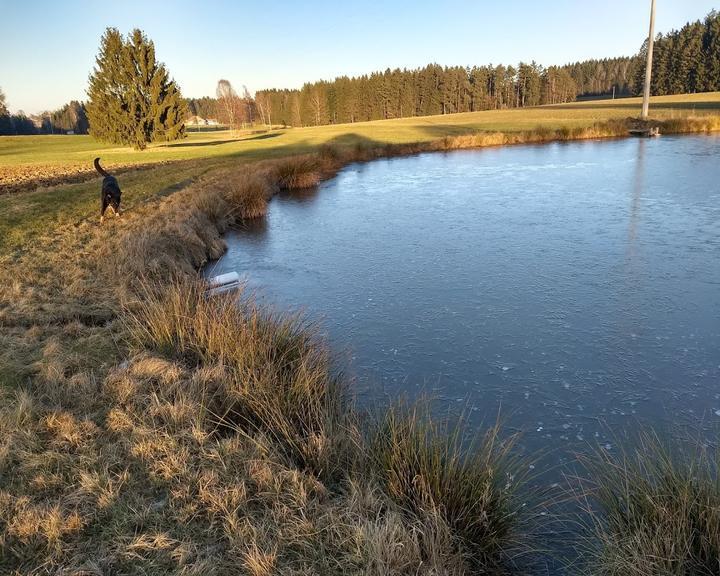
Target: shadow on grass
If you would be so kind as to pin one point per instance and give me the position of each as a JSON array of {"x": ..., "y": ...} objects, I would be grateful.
[
  {"x": 219, "y": 142},
  {"x": 263, "y": 136},
  {"x": 199, "y": 144}
]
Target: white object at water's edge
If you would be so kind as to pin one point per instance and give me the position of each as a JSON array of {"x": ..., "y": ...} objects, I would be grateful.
[{"x": 222, "y": 283}]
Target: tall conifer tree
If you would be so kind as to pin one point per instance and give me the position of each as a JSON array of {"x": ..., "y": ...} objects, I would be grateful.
[
  {"x": 132, "y": 99},
  {"x": 711, "y": 47}
]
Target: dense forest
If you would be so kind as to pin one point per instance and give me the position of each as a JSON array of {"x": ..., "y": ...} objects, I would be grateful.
[
  {"x": 599, "y": 78},
  {"x": 426, "y": 91},
  {"x": 686, "y": 60},
  {"x": 205, "y": 107}
]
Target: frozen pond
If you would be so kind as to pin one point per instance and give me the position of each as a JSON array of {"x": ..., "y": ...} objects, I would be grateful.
[{"x": 574, "y": 288}]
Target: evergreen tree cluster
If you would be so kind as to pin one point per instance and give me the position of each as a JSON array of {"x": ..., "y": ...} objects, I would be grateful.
[
  {"x": 72, "y": 117},
  {"x": 685, "y": 60},
  {"x": 422, "y": 92},
  {"x": 12, "y": 124},
  {"x": 605, "y": 77},
  {"x": 132, "y": 99},
  {"x": 16, "y": 124},
  {"x": 205, "y": 107}
]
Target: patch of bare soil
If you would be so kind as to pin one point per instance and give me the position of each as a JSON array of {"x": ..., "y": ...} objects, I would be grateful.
[{"x": 31, "y": 176}]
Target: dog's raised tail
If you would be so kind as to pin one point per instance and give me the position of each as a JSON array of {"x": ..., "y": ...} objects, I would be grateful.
[{"x": 99, "y": 168}]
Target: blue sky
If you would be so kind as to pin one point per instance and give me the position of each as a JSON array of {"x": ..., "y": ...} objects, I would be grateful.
[{"x": 47, "y": 48}]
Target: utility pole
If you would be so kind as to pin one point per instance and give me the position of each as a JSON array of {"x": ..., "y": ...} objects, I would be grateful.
[{"x": 648, "y": 67}]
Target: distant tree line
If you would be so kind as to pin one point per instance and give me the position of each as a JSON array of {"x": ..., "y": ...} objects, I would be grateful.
[
  {"x": 426, "y": 91},
  {"x": 422, "y": 92},
  {"x": 445, "y": 90},
  {"x": 13, "y": 123},
  {"x": 69, "y": 118},
  {"x": 72, "y": 117}
]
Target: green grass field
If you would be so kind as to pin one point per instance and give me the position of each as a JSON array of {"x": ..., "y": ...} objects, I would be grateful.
[{"x": 62, "y": 150}]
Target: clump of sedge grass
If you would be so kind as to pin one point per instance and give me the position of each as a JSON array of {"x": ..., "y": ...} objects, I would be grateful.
[
  {"x": 248, "y": 197},
  {"x": 653, "y": 511},
  {"x": 279, "y": 378},
  {"x": 691, "y": 124},
  {"x": 432, "y": 473},
  {"x": 297, "y": 172}
]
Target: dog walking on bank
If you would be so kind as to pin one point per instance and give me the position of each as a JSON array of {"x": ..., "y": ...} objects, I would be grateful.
[{"x": 110, "y": 192}]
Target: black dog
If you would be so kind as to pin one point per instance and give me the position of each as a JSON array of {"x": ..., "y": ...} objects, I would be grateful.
[{"x": 110, "y": 193}]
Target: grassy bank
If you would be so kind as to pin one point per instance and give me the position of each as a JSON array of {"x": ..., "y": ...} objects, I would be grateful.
[{"x": 146, "y": 429}]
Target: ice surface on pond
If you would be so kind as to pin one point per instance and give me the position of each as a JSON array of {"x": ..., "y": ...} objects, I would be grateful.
[{"x": 574, "y": 289}]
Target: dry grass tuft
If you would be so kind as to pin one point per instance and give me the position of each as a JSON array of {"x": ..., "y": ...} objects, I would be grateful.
[
  {"x": 249, "y": 197},
  {"x": 691, "y": 124},
  {"x": 298, "y": 172},
  {"x": 465, "y": 489},
  {"x": 276, "y": 376},
  {"x": 653, "y": 510},
  {"x": 185, "y": 234},
  {"x": 259, "y": 563},
  {"x": 40, "y": 525}
]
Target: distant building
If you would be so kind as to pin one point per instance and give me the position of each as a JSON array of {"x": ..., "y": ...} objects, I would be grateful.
[{"x": 200, "y": 121}]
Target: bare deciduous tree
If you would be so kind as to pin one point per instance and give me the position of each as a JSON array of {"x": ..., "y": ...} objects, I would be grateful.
[
  {"x": 248, "y": 106},
  {"x": 264, "y": 104},
  {"x": 228, "y": 101},
  {"x": 3, "y": 106},
  {"x": 296, "y": 118},
  {"x": 316, "y": 100}
]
